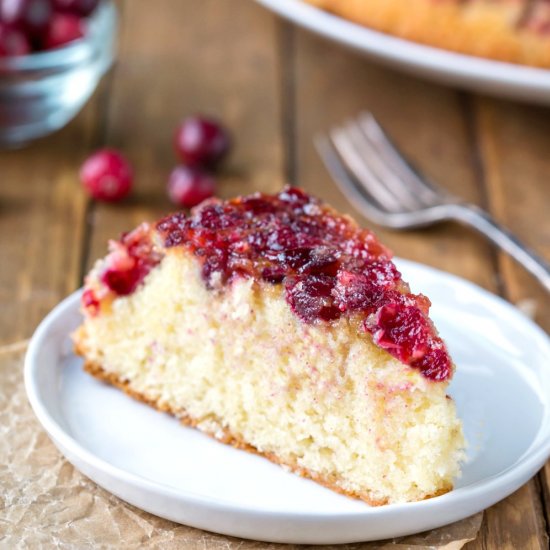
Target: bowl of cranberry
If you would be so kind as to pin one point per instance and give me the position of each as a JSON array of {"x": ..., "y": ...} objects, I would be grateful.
[{"x": 52, "y": 55}]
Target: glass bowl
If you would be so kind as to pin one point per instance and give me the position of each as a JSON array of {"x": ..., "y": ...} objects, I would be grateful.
[{"x": 43, "y": 91}]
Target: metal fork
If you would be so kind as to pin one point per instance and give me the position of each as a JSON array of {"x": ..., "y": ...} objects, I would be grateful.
[{"x": 382, "y": 185}]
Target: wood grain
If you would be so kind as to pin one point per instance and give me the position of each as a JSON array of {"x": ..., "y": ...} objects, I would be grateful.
[
  {"x": 515, "y": 145},
  {"x": 184, "y": 58},
  {"x": 42, "y": 212},
  {"x": 516, "y": 522},
  {"x": 514, "y": 142}
]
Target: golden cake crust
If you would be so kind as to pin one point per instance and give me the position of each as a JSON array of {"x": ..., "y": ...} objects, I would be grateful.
[
  {"x": 509, "y": 30},
  {"x": 226, "y": 436}
]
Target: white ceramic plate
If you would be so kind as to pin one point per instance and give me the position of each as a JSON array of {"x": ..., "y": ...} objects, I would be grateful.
[
  {"x": 483, "y": 75},
  {"x": 502, "y": 390}
]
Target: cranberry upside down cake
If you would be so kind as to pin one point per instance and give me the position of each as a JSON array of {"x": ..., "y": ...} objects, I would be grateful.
[
  {"x": 277, "y": 325},
  {"x": 517, "y": 31}
]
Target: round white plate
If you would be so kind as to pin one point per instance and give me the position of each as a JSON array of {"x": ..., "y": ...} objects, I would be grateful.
[
  {"x": 502, "y": 390},
  {"x": 483, "y": 75}
]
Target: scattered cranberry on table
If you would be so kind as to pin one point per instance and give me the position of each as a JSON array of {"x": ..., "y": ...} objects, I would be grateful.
[
  {"x": 189, "y": 186},
  {"x": 107, "y": 176},
  {"x": 201, "y": 141},
  {"x": 28, "y": 26}
]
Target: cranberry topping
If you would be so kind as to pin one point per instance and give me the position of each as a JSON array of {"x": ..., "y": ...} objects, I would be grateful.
[
  {"x": 310, "y": 297},
  {"x": 404, "y": 329},
  {"x": 329, "y": 268},
  {"x": 90, "y": 301},
  {"x": 129, "y": 261},
  {"x": 366, "y": 290}
]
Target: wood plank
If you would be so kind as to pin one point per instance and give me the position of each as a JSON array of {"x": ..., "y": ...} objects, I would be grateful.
[
  {"x": 515, "y": 146},
  {"x": 510, "y": 524},
  {"x": 434, "y": 126},
  {"x": 514, "y": 142},
  {"x": 544, "y": 485},
  {"x": 42, "y": 211},
  {"x": 516, "y": 522},
  {"x": 181, "y": 58}
]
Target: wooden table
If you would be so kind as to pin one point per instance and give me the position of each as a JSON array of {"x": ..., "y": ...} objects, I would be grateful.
[{"x": 275, "y": 86}]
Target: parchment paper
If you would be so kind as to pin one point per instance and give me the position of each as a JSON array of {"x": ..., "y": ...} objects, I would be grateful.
[{"x": 46, "y": 503}]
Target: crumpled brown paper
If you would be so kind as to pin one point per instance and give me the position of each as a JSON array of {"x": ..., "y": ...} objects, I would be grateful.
[{"x": 46, "y": 503}]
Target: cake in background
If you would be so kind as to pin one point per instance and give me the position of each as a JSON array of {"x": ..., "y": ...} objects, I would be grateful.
[{"x": 517, "y": 31}]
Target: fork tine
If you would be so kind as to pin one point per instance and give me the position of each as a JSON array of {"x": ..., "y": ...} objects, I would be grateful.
[
  {"x": 403, "y": 195},
  {"x": 367, "y": 205},
  {"x": 356, "y": 195},
  {"x": 424, "y": 189},
  {"x": 344, "y": 143}
]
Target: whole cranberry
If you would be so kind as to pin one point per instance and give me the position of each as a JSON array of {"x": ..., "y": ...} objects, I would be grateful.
[
  {"x": 76, "y": 7},
  {"x": 190, "y": 186},
  {"x": 63, "y": 28},
  {"x": 29, "y": 16},
  {"x": 201, "y": 141},
  {"x": 107, "y": 175},
  {"x": 13, "y": 42}
]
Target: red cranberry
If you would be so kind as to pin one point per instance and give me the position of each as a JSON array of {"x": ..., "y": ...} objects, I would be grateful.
[
  {"x": 107, "y": 175},
  {"x": 90, "y": 302},
  {"x": 274, "y": 274},
  {"x": 63, "y": 28},
  {"x": 129, "y": 261},
  {"x": 77, "y": 7},
  {"x": 255, "y": 206},
  {"x": 190, "y": 186},
  {"x": 311, "y": 298},
  {"x": 201, "y": 141},
  {"x": 122, "y": 282},
  {"x": 436, "y": 364},
  {"x": 404, "y": 331},
  {"x": 30, "y": 16},
  {"x": 13, "y": 42},
  {"x": 294, "y": 195}
]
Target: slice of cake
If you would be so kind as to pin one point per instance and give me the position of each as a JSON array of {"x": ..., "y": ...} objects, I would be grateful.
[{"x": 277, "y": 325}]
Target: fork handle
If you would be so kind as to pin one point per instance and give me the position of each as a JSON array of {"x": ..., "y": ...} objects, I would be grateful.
[{"x": 483, "y": 222}]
